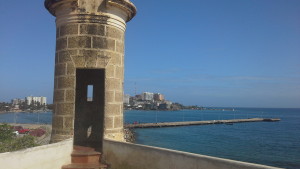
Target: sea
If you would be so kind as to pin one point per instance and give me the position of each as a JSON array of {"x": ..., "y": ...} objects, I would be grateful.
[{"x": 269, "y": 143}]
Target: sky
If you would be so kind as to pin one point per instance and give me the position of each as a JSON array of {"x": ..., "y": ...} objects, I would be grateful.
[{"x": 212, "y": 53}]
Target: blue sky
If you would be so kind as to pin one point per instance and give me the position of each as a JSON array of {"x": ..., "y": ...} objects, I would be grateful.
[{"x": 235, "y": 53}]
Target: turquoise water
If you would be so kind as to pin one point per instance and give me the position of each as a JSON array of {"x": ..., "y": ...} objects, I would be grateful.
[{"x": 270, "y": 143}]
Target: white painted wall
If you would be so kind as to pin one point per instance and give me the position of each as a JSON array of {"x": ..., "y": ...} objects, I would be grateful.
[
  {"x": 51, "y": 156},
  {"x": 120, "y": 155}
]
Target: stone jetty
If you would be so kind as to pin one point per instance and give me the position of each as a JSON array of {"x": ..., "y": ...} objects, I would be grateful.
[{"x": 189, "y": 123}]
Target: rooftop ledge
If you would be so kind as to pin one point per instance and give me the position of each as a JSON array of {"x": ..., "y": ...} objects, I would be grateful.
[{"x": 125, "y": 5}]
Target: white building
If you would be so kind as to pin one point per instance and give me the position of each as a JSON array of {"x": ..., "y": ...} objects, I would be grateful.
[
  {"x": 42, "y": 100},
  {"x": 126, "y": 99},
  {"x": 147, "y": 96}
]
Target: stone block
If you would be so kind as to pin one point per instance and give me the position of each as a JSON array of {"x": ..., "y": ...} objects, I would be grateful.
[
  {"x": 70, "y": 96},
  {"x": 92, "y": 29},
  {"x": 110, "y": 71},
  {"x": 56, "y": 57},
  {"x": 64, "y": 132},
  {"x": 69, "y": 29},
  {"x": 65, "y": 56},
  {"x": 119, "y": 96},
  {"x": 89, "y": 53},
  {"x": 57, "y": 32},
  {"x": 112, "y": 110},
  {"x": 61, "y": 43},
  {"x": 70, "y": 69},
  {"x": 79, "y": 42},
  {"x": 57, "y": 122},
  {"x": 110, "y": 96},
  {"x": 79, "y": 61},
  {"x": 108, "y": 122},
  {"x": 66, "y": 82},
  {"x": 59, "y": 95},
  {"x": 113, "y": 84},
  {"x": 114, "y": 33},
  {"x": 55, "y": 82},
  {"x": 68, "y": 123},
  {"x": 65, "y": 109},
  {"x": 119, "y": 72},
  {"x": 119, "y": 47},
  {"x": 60, "y": 69},
  {"x": 118, "y": 121},
  {"x": 103, "y": 43},
  {"x": 90, "y": 61},
  {"x": 116, "y": 59}
]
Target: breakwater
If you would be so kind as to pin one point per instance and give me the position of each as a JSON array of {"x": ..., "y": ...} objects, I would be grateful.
[{"x": 189, "y": 123}]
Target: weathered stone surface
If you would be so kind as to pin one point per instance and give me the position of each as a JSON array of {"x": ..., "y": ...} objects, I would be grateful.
[
  {"x": 58, "y": 121},
  {"x": 65, "y": 109},
  {"x": 103, "y": 43},
  {"x": 64, "y": 132},
  {"x": 56, "y": 57},
  {"x": 119, "y": 72},
  {"x": 57, "y": 32},
  {"x": 70, "y": 96},
  {"x": 112, "y": 109},
  {"x": 108, "y": 122},
  {"x": 92, "y": 29},
  {"x": 61, "y": 43},
  {"x": 118, "y": 121},
  {"x": 69, "y": 29},
  {"x": 109, "y": 96},
  {"x": 68, "y": 123},
  {"x": 119, "y": 47},
  {"x": 55, "y": 82},
  {"x": 119, "y": 96},
  {"x": 70, "y": 69},
  {"x": 66, "y": 82},
  {"x": 65, "y": 56},
  {"x": 79, "y": 61},
  {"x": 90, "y": 53},
  {"x": 90, "y": 61},
  {"x": 113, "y": 84},
  {"x": 60, "y": 69},
  {"x": 116, "y": 59},
  {"x": 79, "y": 42},
  {"x": 59, "y": 95},
  {"x": 114, "y": 33},
  {"x": 110, "y": 71}
]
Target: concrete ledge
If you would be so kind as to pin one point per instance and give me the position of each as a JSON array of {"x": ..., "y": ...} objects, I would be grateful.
[
  {"x": 51, "y": 156},
  {"x": 121, "y": 155}
]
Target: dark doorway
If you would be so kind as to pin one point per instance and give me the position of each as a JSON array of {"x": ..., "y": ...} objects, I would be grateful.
[{"x": 89, "y": 108}]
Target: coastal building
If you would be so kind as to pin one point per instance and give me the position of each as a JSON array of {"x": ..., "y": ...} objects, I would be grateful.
[
  {"x": 158, "y": 97},
  {"x": 17, "y": 101},
  {"x": 32, "y": 100},
  {"x": 147, "y": 96},
  {"x": 126, "y": 99}
]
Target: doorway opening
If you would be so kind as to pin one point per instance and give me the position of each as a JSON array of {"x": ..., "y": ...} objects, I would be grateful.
[{"x": 89, "y": 108}]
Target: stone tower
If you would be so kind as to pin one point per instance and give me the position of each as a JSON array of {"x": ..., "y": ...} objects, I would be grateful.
[{"x": 89, "y": 69}]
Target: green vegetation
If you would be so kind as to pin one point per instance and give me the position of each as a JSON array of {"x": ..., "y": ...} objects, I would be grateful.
[{"x": 10, "y": 142}]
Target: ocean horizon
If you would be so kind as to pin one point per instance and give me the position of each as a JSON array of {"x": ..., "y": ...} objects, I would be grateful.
[{"x": 269, "y": 143}]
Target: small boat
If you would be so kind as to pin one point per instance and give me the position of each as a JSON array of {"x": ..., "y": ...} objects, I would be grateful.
[{"x": 229, "y": 123}]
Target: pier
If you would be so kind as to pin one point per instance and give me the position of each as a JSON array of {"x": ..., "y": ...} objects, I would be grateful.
[{"x": 189, "y": 123}]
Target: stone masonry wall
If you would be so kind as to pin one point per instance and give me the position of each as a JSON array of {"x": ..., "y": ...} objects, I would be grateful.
[{"x": 90, "y": 46}]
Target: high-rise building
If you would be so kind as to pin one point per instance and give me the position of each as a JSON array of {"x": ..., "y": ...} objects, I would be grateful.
[
  {"x": 158, "y": 97},
  {"x": 147, "y": 96},
  {"x": 42, "y": 100},
  {"x": 126, "y": 99},
  {"x": 17, "y": 101}
]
